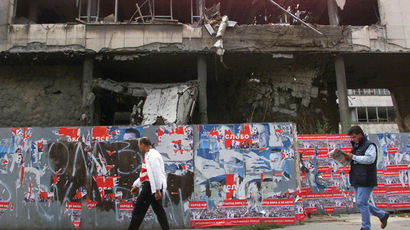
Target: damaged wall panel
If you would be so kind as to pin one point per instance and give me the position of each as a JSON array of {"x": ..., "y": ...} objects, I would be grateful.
[{"x": 170, "y": 105}]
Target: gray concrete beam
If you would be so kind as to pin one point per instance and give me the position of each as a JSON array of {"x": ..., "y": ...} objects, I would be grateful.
[
  {"x": 333, "y": 13},
  {"x": 87, "y": 116},
  {"x": 342, "y": 93},
  {"x": 202, "y": 78}
]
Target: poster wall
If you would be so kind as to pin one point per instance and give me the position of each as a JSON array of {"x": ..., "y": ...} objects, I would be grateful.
[
  {"x": 217, "y": 175},
  {"x": 325, "y": 184}
]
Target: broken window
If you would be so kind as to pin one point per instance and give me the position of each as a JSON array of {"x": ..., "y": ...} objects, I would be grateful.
[
  {"x": 351, "y": 12},
  {"x": 45, "y": 11}
]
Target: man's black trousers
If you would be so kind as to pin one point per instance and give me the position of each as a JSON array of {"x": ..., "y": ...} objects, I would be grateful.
[{"x": 144, "y": 200}]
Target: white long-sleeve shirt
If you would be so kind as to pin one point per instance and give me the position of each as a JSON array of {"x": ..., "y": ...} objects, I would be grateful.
[
  {"x": 155, "y": 170},
  {"x": 369, "y": 156}
]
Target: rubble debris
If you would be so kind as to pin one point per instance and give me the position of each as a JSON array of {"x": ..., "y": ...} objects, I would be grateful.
[
  {"x": 294, "y": 16},
  {"x": 213, "y": 15},
  {"x": 118, "y": 87},
  {"x": 222, "y": 27},
  {"x": 210, "y": 29},
  {"x": 110, "y": 18}
]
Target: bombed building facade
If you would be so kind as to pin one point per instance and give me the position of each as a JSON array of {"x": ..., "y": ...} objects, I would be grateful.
[
  {"x": 80, "y": 80},
  {"x": 80, "y": 62}
]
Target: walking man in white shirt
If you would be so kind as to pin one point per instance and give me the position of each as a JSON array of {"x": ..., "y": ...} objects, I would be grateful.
[{"x": 151, "y": 181}]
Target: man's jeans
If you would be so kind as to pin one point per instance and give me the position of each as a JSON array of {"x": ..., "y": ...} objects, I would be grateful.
[{"x": 362, "y": 195}]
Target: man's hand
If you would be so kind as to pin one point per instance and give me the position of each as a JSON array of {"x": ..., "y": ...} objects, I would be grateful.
[
  {"x": 134, "y": 190},
  {"x": 158, "y": 195},
  {"x": 349, "y": 156}
]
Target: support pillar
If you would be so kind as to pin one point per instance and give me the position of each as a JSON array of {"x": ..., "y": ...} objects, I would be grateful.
[
  {"x": 342, "y": 93},
  {"x": 201, "y": 7},
  {"x": 87, "y": 116},
  {"x": 400, "y": 100},
  {"x": 333, "y": 13},
  {"x": 202, "y": 78},
  {"x": 33, "y": 11}
]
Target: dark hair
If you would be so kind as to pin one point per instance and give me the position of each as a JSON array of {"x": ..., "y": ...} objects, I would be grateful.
[
  {"x": 146, "y": 141},
  {"x": 355, "y": 129}
]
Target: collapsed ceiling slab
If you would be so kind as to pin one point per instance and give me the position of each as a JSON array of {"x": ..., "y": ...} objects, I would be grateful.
[{"x": 159, "y": 104}]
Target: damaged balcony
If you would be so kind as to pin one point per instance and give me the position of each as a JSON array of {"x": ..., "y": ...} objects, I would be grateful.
[{"x": 192, "y": 26}]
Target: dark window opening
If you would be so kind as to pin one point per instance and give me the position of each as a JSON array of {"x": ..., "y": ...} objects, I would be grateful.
[
  {"x": 113, "y": 108},
  {"x": 46, "y": 11},
  {"x": 359, "y": 13},
  {"x": 361, "y": 114},
  {"x": 373, "y": 114}
]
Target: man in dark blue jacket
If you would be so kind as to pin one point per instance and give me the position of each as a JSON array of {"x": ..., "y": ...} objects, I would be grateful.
[{"x": 363, "y": 176}]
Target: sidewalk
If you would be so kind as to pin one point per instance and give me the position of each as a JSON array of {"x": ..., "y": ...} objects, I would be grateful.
[
  {"x": 349, "y": 222},
  {"x": 336, "y": 222}
]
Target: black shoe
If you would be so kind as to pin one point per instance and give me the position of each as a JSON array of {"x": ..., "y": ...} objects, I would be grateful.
[{"x": 384, "y": 220}]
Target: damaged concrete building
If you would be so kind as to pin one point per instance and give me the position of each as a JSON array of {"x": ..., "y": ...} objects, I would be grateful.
[{"x": 141, "y": 62}]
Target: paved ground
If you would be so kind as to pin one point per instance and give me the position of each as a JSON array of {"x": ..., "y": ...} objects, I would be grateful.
[
  {"x": 338, "y": 222},
  {"x": 349, "y": 222}
]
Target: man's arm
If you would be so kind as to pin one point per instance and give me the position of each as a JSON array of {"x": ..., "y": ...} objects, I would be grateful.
[
  {"x": 368, "y": 158},
  {"x": 135, "y": 186}
]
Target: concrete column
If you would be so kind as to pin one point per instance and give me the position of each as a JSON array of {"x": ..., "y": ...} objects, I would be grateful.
[
  {"x": 88, "y": 100},
  {"x": 201, "y": 8},
  {"x": 33, "y": 11},
  {"x": 342, "y": 93},
  {"x": 333, "y": 14},
  {"x": 5, "y": 19},
  {"x": 400, "y": 98},
  {"x": 202, "y": 78},
  {"x": 116, "y": 12}
]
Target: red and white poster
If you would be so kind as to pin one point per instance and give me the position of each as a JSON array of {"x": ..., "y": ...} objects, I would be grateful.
[
  {"x": 380, "y": 197},
  {"x": 299, "y": 210},
  {"x": 202, "y": 217},
  {"x": 125, "y": 210},
  {"x": 4, "y": 206},
  {"x": 74, "y": 209},
  {"x": 278, "y": 211},
  {"x": 398, "y": 198},
  {"x": 104, "y": 184},
  {"x": 91, "y": 204},
  {"x": 238, "y": 213},
  {"x": 314, "y": 147},
  {"x": 335, "y": 200}
]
